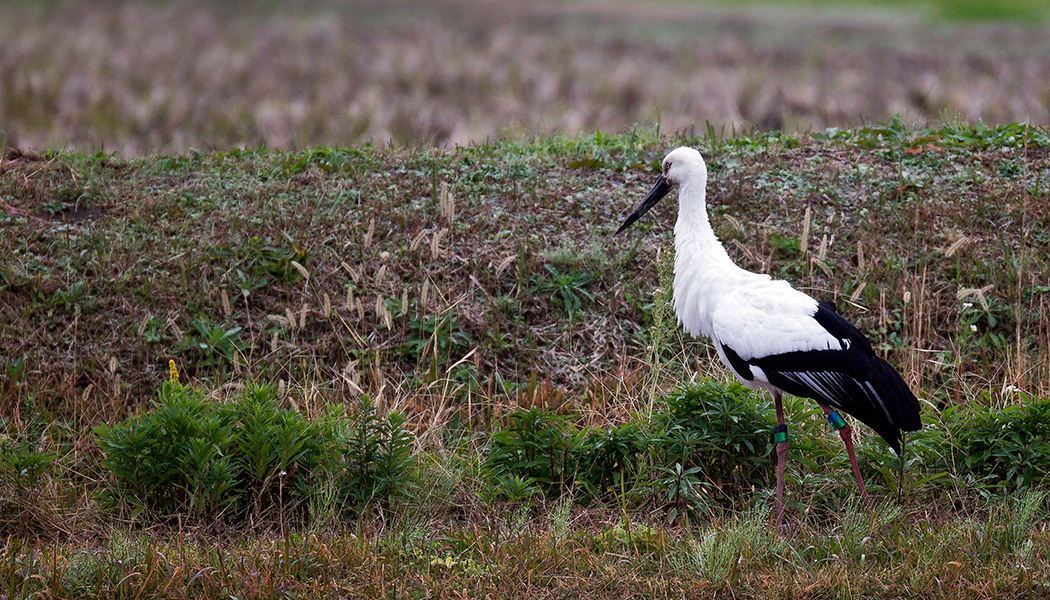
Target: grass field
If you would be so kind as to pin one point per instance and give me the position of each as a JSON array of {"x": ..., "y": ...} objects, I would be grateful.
[
  {"x": 952, "y": 10},
  {"x": 141, "y": 78},
  {"x": 458, "y": 286},
  {"x": 325, "y": 302}
]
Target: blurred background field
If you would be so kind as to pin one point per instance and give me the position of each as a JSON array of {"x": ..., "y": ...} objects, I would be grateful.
[{"x": 163, "y": 77}]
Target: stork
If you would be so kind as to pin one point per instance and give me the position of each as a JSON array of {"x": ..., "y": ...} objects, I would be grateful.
[{"x": 770, "y": 335}]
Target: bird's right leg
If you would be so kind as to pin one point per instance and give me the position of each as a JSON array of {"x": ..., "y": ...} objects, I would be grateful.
[
  {"x": 846, "y": 434},
  {"x": 781, "y": 438}
]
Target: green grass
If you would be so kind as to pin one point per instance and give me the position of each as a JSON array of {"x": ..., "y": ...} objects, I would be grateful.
[
  {"x": 460, "y": 285},
  {"x": 962, "y": 10}
]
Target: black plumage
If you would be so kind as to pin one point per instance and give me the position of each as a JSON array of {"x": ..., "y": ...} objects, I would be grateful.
[{"x": 853, "y": 379}]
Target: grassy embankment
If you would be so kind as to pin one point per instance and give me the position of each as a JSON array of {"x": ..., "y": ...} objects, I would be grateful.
[{"x": 460, "y": 285}]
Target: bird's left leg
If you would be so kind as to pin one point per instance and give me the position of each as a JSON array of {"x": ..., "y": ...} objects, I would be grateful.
[
  {"x": 846, "y": 434},
  {"x": 781, "y": 439}
]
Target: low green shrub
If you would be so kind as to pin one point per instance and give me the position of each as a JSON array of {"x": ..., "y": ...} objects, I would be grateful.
[
  {"x": 543, "y": 451},
  {"x": 190, "y": 455},
  {"x": 193, "y": 455},
  {"x": 22, "y": 464},
  {"x": 375, "y": 454},
  {"x": 1003, "y": 450},
  {"x": 708, "y": 434},
  {"x": 539, "y": 447},
  {"x": 725, "y": 431},
  {"x": 715, "y": 442},
  {"x": 609, "y": 458}
]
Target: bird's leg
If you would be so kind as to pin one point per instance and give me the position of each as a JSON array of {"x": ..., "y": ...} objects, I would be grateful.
[
  {"x": 846, "y": 434},
  {"x": 781, "y": 438}
]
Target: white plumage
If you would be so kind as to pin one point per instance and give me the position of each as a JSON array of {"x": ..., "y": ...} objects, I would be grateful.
[
  {"x": 751, "y": 313},
  {"x": 772, "y": 336}
]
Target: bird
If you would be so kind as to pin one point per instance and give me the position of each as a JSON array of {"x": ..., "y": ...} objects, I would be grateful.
[{"x": 773, "y": 337}]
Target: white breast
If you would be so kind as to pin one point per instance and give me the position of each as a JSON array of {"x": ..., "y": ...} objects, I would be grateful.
[
  {"x": 765, "y": 318},
  {"x": 751, "y": 313}
]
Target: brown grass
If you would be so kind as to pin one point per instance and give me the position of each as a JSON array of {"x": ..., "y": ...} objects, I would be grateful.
[{"x": 587, "y": 554}]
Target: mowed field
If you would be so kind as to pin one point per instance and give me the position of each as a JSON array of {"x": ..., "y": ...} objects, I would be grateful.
[
  {"x": 141, "y": 78},
  {"x": 325, "y": 301}
]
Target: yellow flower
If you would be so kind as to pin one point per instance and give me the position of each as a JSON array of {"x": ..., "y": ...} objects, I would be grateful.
[{"x": 173, "y": 371}]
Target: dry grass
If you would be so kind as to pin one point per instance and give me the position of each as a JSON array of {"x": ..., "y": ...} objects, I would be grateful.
[
  {"x": 519, "y": 554},
  {"x": 145, "y": 78}
]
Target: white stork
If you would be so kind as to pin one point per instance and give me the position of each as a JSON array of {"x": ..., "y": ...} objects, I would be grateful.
[{"x": 772, "y": 336}]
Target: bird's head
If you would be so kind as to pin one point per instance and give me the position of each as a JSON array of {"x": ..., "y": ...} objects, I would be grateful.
[{"x": 681, "y": 165}]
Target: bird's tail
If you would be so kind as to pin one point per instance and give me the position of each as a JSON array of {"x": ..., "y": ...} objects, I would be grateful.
[{"x": 898, "y": 400}]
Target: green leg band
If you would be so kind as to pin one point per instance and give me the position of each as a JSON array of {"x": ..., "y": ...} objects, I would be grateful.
[
  {"x": 780, "y": 433},
  {"x": 836, "y": 420}
]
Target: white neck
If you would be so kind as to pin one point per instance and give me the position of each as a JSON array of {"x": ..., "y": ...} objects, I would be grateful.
[{"x": 703, "y": 271}]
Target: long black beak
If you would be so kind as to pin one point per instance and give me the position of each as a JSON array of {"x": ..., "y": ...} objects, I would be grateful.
[{"x": 659, "y": 191}]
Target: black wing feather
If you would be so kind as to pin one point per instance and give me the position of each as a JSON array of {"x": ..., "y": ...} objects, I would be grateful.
[
  {"x": 741, "y": 366},
  {"x": 853, "y": 380}
]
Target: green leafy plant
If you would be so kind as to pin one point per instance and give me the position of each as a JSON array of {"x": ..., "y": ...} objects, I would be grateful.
[
  {"x": 725, "y": 430},
  {"x": 213, "y": 345},
  {"x": 22, "y": 464},
  {"x": 156, "y": 460},
  {"x": 609, "y": 458},
  {"x": 29, "y": 451},
  {"x": 153, "y": 330},
  {"x": 927, "y": 460},
  {"x": 72, "y": 297},
  {"x": 540, "y": 447},
  {"x": 375, "y": 454},
  {"x": 259, "y": 261},
  {"x": 514, "y": 488},
  {"x": 708, "y": 435},
  {"x": 324, "y": 158},
  {"x": 566, "y": 290},
  {"x": 684, "y": 488},
  {"x": 280, "y": 452},
  {"x": 196, "y": 456},
  {"x": 541, "y": 450},
  {"x": 1004, "y": 449}
]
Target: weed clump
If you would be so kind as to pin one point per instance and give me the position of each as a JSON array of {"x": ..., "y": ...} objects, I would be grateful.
[
  {"x": 248, "y": 456},
  {"x": 723, "y": 430},
  {"x": 709, "y": 435},
  {"x": 1004, "y": 450},
  {"x": 374, "y": 455},
  {"x": 24, "y": 468}
]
